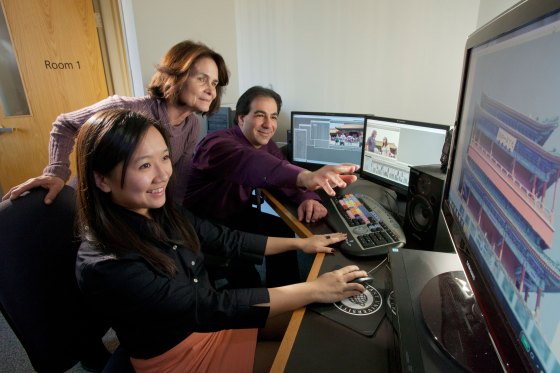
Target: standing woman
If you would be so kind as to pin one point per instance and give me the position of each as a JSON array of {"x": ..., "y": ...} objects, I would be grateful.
[
  {"x": 140, "y": 263},
  {"x": 385, "y": 150},
  {"x": 189, "y": 79}
]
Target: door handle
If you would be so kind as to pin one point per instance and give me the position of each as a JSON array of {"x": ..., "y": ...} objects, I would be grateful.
[{"x": 6, "y": 130}]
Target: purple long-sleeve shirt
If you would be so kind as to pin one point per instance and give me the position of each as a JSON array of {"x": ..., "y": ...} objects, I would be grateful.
[
  {"x": 183, "y": 137},
  {"x": 226, "y": 168}
]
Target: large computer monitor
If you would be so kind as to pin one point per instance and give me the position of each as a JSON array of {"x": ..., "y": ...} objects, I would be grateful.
[
  {"x": 501, "y": 200},
  {"x": 320, "y": 139},
  {"x": 392, "y": 146}
]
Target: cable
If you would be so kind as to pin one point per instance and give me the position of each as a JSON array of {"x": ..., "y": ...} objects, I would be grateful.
[{"x": 377, "y": 266}]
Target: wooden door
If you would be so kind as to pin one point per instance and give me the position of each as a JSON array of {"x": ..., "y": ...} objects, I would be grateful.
[{"x": 59, "y": 58}]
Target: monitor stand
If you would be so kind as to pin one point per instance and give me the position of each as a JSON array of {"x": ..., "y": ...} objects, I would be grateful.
[{"x": 456, "y": 323}]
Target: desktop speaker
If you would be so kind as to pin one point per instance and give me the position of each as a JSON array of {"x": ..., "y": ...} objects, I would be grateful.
[{"x": 425, "y": 191}]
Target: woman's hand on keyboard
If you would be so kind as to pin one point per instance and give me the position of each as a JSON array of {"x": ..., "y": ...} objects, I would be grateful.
[{"x": 320, "y": 243}]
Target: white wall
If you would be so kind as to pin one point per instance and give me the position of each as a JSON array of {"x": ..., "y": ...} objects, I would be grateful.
[
  {"x": 492, "y": 8},
  {"x": 395, "y": 58},
  {"x": 390, "y": 58},
  {"x": 161, "y": 24}
]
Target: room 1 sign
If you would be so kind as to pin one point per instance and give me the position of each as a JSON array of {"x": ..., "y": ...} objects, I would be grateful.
[{"x": 52, "y": 65}]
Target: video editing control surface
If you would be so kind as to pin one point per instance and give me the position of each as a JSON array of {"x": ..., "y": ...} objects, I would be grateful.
[{"x": 371, "y": 229}]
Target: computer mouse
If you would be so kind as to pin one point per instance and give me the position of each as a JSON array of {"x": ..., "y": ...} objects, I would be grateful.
[{"x": 362, "y": 280}]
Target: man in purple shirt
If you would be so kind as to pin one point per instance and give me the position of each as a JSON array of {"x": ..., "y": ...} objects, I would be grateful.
[{"x": 229, "y": 165}]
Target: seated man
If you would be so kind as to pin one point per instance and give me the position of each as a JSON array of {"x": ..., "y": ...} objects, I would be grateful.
[{"x": 230, "y": 164}]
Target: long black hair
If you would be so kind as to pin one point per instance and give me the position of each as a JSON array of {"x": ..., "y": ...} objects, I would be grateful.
[{"x": 107, "y": 139}]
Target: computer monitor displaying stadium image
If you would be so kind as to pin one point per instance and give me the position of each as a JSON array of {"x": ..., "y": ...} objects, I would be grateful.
[
  {"x": 320, "y": 139},
  {"x": 502, "y": 191},
  {"x": 392, "y": 145}
]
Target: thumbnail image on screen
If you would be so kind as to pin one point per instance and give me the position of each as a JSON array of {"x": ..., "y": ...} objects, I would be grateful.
[
  {"x": 327, "y": 138},
  {"x": 391, "y": 146}
]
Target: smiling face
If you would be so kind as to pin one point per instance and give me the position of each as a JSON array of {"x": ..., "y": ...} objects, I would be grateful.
[
  {"x": 260, "y": 124},
  {"x": 199, "y": 88},
  {"x": 147, "y": 175}
]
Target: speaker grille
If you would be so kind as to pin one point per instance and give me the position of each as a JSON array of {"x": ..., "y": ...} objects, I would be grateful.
[{"x": 421, "y": 213}]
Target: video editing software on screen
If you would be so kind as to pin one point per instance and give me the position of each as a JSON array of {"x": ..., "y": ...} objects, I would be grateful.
[
  {"x": 321, "y": 138},
  {"x": 391, "y": 146}
]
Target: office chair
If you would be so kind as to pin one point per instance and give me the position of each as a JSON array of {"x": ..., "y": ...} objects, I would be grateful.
[{"x": 39, "y": 295}]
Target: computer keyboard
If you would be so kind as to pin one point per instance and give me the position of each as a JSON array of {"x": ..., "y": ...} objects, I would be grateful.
[{"x": 370, "y": 227}]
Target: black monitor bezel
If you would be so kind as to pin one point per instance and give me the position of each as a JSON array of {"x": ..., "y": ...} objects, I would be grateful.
[
  {"x": 503, "y": 336},
  {"x": 310, "y": 165},
  {"x": 400, "y": 189}
]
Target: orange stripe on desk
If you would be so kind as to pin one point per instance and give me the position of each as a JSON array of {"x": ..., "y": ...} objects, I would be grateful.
[{"x": 301, "y": 230}]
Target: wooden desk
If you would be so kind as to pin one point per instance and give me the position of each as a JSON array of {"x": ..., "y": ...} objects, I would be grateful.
[
  {"x": 314, "y": 342},
  {"x": 302, "y": 231},
  {"x": 318, "y": 337}
]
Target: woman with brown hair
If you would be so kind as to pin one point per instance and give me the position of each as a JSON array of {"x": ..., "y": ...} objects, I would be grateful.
[{"x": 189, "y": 79}]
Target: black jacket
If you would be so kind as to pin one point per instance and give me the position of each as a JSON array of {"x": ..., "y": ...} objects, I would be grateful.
[{"x": 152, "y": 312}]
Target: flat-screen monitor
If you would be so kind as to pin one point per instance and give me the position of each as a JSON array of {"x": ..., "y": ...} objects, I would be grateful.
[
  {"x": 220, "y": 120},
  {"x": 320, "y": 139},
  {"x": 501, "y": 200},
  {"x": 392, "y": 146}
]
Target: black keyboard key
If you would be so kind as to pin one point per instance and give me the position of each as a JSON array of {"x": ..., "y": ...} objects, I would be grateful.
[
  {"x": 374, "y": 238},
  {"x": 387, "y": 237},
  {"x": 365, "y": 241}
]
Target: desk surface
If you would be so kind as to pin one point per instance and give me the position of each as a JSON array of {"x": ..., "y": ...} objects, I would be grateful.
[{"x": 310, "y": 334}]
